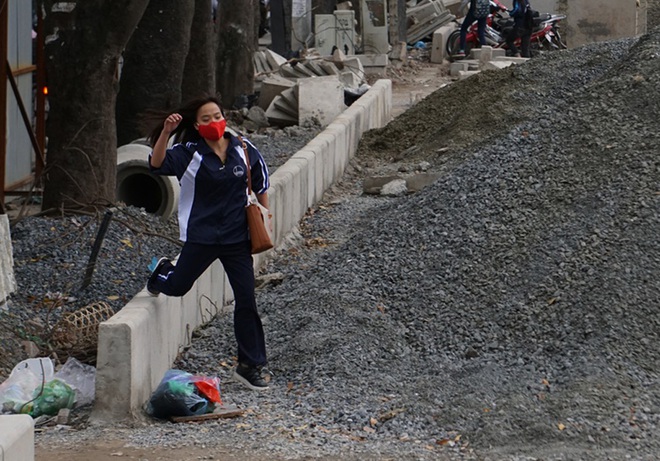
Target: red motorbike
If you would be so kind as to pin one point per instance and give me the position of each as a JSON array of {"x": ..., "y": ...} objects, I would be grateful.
[{"x": 545, "y": 34}]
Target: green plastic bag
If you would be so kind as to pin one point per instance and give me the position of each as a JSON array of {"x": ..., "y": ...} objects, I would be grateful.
[{"x": 55, "y": 395}]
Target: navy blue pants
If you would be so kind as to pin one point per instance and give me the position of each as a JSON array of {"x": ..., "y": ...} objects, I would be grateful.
[
  {"x": 237, "y": 262},
  {"x": 481, "y": 29}
]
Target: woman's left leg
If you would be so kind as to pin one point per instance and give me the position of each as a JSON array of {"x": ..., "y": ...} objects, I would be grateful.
[{"x": 237, "y": 261}]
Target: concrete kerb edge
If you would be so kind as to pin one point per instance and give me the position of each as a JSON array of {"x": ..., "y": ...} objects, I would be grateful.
[
  {"x": 17, "y": 437},
  {"x": 134, "y": 345}
]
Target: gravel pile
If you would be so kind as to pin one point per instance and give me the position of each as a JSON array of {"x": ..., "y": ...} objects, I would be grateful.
[{"x": 509, "y": 311}]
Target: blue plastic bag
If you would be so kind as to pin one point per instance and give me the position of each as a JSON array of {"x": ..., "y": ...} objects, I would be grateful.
[{"x": 177, "y": 395}]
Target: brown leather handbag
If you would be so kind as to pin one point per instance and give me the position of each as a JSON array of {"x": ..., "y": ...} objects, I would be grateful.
[{"x": 257, "y": 215}]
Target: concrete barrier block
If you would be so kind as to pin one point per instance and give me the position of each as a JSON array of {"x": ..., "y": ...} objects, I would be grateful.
[
  {"x": 294, "y": 189},
  {"x": 310, "y": 164},
  {"x": 129, "y": 367},
  {"x": 485, "y": 55},
  {"x": 302, "y": 172},
  {"x": 16, "y": 438},
  {"x": 282, "y": 179},
  {"x": 498, "y": 53},
  {"x": 377, "y": 102},
  {"x": 439, "y": 42},
  {"x": 7, "y": 279},
  {"x": 277, "y": 202},
  {"x": 328, "y": 143},
  {"x": 456, "y": 67},
  {"x": 342, "y": 147}
]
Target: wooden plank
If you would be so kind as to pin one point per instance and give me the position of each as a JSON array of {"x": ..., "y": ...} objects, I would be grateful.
[{"x": 218, "y": 413}]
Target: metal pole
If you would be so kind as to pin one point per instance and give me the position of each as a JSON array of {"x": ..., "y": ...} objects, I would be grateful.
[
  {"x": 3, "y": 101},
  {"x": 96, "y": 248},
  {"x": 24, "y": 114},
  {"x": 41, "y": 97}
]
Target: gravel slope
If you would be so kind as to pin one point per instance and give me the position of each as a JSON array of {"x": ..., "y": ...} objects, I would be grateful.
[{"x": 509, "y": 311}]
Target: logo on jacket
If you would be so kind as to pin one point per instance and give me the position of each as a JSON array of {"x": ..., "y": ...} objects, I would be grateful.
[{"x": 238, "y": 171}]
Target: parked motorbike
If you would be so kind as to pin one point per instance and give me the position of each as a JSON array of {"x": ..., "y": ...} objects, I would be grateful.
[{"x": 545, "y": 33}]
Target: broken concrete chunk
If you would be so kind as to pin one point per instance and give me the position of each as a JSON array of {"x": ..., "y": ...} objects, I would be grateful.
[
  {"x": 257, "y": 115},
  {"x": 418, "y": 182},
  {"x": 396, "y": 188},
  {"x": 374, "y": 184}
]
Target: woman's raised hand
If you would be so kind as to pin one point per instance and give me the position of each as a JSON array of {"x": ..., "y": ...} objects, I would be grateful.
[{"x": 171, "y": 122}]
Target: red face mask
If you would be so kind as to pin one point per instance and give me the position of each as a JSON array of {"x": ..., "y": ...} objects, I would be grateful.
[{"x": 213, "y": 131}]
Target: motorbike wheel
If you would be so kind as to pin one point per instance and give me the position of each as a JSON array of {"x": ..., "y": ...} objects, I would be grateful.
[
  {"x": 453, "y": 44},
  {"x": 556, "y": 39}
]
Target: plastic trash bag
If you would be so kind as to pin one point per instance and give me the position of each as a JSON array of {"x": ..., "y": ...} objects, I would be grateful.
[
  {"x": 24, "y": 379},
  {"x": 49, "y": 400},
  {"x": 183, "y": 394},
  {"x": 81, "y": 377}
]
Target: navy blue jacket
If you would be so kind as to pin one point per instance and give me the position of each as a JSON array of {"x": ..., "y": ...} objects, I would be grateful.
[
  {"x": 520, "y": 7},
  {"x": 213, "y": 196}
]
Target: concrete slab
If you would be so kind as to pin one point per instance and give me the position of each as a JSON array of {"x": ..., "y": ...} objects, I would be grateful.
[
  {"x": 372, "y": 64},
  {"x": 315, "y": 67},
  {"x": 287, "y": 102},
  {"x": 512, "y": 59},
  {"x": 279, "y": 118},
  {"x": 271, "y": 87},
  {"x": 349, "y": 79},
  {"x": 467, "y": 74},
  {"x": 321, "y": 99},
  {"x": 16, "y": 438},
  {"x": 497, "y": 65},
  {"x": 274, "y": 60},
  {"x": 329, "y": 67},
  {"x": 355, "y": 65}
]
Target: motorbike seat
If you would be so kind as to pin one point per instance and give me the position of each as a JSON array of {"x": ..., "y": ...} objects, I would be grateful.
[{"x": 541, "y": 18}]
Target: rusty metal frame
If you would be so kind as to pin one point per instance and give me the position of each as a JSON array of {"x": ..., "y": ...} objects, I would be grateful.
[
  {"x": 38, "y": 135},
  {"x": 3, "y": 101}
]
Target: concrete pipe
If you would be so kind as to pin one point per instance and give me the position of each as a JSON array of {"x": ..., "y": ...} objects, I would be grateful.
[{"x": 137, "y": 186}]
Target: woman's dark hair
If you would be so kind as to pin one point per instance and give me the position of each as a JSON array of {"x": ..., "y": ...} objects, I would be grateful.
[{"x": 186, "y": 131}]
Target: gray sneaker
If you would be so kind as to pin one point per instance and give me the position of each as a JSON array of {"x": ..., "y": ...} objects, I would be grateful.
[{"x": 254, "y": 378}]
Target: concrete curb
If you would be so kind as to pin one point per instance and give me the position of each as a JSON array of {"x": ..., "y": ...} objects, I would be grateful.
[
  {"x": 16, "y": 438},
  {"x": 139, "y": 343},
  {"x": 7, "y": 280}
]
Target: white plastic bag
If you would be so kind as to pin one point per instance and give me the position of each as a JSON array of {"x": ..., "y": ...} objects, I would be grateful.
[
  {"x": 81, "y": 377},
  {"x": 25, "y": 377}
]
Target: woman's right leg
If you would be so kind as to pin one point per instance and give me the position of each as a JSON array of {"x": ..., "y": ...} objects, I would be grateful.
[
  {"x": 177, "y": 280},
  {"x": 467, "y": 22}
]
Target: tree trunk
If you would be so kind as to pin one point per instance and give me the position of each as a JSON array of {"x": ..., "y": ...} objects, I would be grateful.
[
  {"x": 236, "y": 46},
  {"x": 199, "y": 73},
  {"x": 154, "y": 60},
  {"x": 83, "y": 46}
]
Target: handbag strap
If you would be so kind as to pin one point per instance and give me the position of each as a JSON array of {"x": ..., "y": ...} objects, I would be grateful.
[{"x": 247, "y": 160}]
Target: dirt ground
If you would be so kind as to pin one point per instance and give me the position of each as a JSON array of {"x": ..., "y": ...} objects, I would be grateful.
[{"x": 410, "y": 84}]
